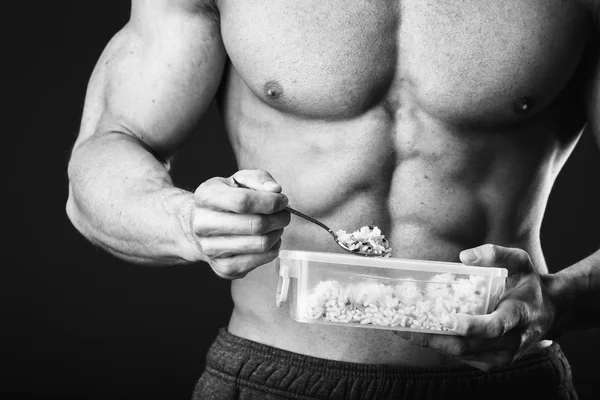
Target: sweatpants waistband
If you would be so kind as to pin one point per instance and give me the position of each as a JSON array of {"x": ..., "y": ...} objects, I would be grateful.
[{"x": 285, "y": 374}]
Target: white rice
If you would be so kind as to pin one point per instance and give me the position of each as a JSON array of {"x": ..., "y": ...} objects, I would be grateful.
[
  {"x": 367, "y": 240},
  {"x": 409, "y": 304}
]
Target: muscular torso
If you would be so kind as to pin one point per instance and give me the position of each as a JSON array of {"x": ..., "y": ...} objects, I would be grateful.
[{"x": 442, "y": 122}]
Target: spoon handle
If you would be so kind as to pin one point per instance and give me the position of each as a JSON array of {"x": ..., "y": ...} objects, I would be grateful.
[
  {"x": 235, "y": 183},
  {"x": 311, "y": 219}
]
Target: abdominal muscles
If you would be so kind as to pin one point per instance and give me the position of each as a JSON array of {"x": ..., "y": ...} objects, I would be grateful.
[{"x": 434, "y": 190}]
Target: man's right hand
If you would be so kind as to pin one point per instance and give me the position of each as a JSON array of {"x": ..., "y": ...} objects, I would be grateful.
[{"x": 239, "y": 229}]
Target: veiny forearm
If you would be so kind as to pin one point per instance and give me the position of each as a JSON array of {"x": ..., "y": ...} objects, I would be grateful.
[
  {"x": 122, "y": 199},
  {"x": 577, "y": 293}
]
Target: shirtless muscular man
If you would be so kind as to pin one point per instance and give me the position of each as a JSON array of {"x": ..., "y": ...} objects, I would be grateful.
[{"x": 444, "y": 122}]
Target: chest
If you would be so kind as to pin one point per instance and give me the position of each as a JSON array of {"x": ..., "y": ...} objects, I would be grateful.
[{"x": 454, "y": 59}]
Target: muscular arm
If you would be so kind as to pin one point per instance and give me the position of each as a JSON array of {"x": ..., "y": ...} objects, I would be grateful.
[
  {"x": 150, "y": 87},
  {"x": 578, "y": 287}
]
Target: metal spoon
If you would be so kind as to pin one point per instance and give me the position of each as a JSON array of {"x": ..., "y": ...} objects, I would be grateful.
[{"x": 235, "y": 183}]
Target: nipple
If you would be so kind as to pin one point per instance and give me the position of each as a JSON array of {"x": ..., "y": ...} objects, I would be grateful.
[
  {"x": 273, "y": 90},
  {"x": 523, "y": 105}
]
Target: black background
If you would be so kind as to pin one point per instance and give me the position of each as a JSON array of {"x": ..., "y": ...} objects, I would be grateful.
[{"x": 103, "y": 328}]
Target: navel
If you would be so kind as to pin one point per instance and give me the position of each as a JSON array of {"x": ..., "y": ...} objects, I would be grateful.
[
  {"x": 273, "y": 90},
  {"x": 523, "y": 105}
]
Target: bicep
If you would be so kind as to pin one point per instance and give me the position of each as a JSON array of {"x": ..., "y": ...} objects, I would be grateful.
[{"x": 156, "y": 77}]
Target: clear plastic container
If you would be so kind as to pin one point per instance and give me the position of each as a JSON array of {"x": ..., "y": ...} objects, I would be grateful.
[{"x": 383, "y": 293}]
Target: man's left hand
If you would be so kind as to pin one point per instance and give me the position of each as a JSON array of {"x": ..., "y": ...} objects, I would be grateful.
[{"x": 523, "y": 316}]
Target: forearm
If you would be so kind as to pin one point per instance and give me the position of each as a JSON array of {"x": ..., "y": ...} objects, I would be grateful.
[
  {"x": 576, "y": 291},
  {"x": 122, "y": 199}
]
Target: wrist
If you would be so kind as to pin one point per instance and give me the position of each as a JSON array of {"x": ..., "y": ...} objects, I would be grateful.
[
  {"x": 560, "y": 294},
  {"x": 187, "y": 247},
  {"x": 571, "y": 300}
]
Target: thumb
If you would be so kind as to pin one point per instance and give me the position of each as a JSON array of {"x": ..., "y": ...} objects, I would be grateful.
[
  {"x": 255, "y": 179},
  {"x": 491, "y": 255}
]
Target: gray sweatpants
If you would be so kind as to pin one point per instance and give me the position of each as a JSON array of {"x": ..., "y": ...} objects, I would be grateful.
[{"x": 237, "y": 368}]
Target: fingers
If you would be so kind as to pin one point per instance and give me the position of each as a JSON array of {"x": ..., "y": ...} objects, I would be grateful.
[
  {"x": 490, "y": 338},
  {"x": 227, "y": 246},
  {"x": 447, "y": 344},
  {"x": 485, "y": 361},
  {"x": 218, "y": 194},
  {"x": 478, "y": 353},
  {"x": 238, "y": 266},
  {"x": 504, "y": 335},
  {"x": 492, "y": 351},
  {"x": 482, "y": 366},
  {"x": 239, "y": 228},
  {"x": 208, "y": 222},
  {"x": 490, "y": 333},
  {"x": 258, "y": 180},
  {"x": 507, "y": 315},
  {"x": 491, "y": 255}
]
